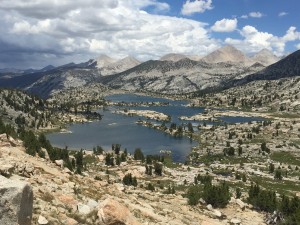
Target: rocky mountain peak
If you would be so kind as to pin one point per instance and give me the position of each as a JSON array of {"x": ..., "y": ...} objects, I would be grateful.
[
  {"x": 265, "y": 57},
  {"x": 119, "y": 66},
  {"x": 129, "y": 60},
  {"x": 172, "y": 57},
  {"x": 227, "y": 53},
  {"x": 104, "y": 60}
]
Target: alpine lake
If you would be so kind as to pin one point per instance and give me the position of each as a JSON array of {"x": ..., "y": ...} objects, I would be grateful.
[{"x": 121, "y": 129}]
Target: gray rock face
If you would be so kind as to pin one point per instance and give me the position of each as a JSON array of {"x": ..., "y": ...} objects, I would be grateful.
[{"x": 16, "y": 202}]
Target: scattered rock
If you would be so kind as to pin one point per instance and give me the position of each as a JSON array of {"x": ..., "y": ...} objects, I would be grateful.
[
  {"x": 16, "y": 202},
  {"x": 42, "y": 220},
  {"x": 59, "y": 163},
  {"x": 68, "y": 201},
  {"x": 92, "y": 203},
  {"x": 241, "y": 204},
  {"x": 202, "y": 201},
  {"x": 112, "y": 212},
  {"x": 83, "y": 209},
  {"x": 235, "y": 221},
  {"x": 217, "y": 213},
  {"x": 66, "y": 170},
  {"x": 29, "y": 169},
  {"x": 209, "y": 207},
  {"x": 6, "y": 170},
  {"x": 71, "y": 221},
  {"x": 12, "y": 141},
  {"x": 46, "y": 153}
]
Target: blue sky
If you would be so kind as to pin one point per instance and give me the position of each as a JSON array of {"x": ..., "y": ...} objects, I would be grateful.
[
  {"x": 277, "y": 16},
  {"x": 36, "y": 33}
]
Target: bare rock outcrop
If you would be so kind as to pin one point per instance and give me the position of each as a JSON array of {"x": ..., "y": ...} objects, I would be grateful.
[
  {"x": 112, "y": 212},
  {"x": 16, "y": 202}
]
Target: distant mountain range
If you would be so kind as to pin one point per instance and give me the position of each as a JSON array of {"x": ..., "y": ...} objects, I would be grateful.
[
  {"x": 228, "y": 54},
  {"x": 182, "y": 76},
  {"x": 18, "y": 71},
  {"x": 172, "y": 73}
]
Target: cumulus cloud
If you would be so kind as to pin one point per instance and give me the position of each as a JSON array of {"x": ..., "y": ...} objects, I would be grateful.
[
  {"x": 197, "y": 6},
  {"x": 35, "y": 33},
  {"x": 255, "y": 40},
  {"x": 68, "y": 30},
  {"x": 253, "y": 15},
  {"x": 291, "y": 35},
  {"x": 225, "y": 25},
  {"x": 282, "y": 14},
  {"x": 256, "y": 14}
]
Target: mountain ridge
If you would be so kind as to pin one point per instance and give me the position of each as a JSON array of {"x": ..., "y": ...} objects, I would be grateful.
[
  {"x": 284, "y": 68},
  {"x": 168, "y": 76}
]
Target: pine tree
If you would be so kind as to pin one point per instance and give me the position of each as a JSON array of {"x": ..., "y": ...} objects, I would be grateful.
[
  {"x": 271, "y": 168},
  {"x": 138, "y": 155},
  {"x": 278, "y": 175}
]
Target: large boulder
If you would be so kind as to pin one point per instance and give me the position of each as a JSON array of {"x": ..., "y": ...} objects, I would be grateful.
[
  {"x": 16, "y": 202},
  {"x": 112, "y": 212}
]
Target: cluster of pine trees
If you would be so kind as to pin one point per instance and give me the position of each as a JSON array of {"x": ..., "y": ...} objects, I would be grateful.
[
  {"x": 115, "y": 158},
  {"x": 216, "y": 195},
  {"x": 129, "y": 180},
  {"x": 267, "y": 201}
]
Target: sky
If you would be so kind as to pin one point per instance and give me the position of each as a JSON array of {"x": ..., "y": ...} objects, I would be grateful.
[{"x": 37, "y": 33}]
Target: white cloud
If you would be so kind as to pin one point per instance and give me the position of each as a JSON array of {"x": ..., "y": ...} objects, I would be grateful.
[
  {"x": 253, "y": 15},
  {"x": 80, "y": 32},
  {"x": 282, "y": 14},
  {"x": 256, "y": 14},
  {"x": 197, "y": 6},
  {"x": 298, "y": 46},
  {"x": 254, "y": 40},
  {"x": 57, "y": 32},
  {"x": 291, "y": 35},
  {"x": 225, "y": 25}
]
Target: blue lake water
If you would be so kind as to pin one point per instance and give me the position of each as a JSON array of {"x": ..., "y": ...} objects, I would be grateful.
[{"x": 120, "y": 129}]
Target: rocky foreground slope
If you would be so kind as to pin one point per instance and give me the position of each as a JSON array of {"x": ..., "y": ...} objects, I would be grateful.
[{"x": 99, "y": 197}]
